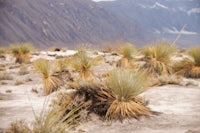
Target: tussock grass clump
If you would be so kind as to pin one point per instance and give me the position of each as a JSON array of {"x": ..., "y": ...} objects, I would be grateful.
[
  {"x": 187, "y": 67},
  {"x": 51, "y": 82},
  {"x": 50, "y": 120},
  {"x": 127, "y": 50},
  {"x": 195, "y": 54},
  {"x": 124, "y": 86},
  {"x": 21, "y": 52},
  {"x": 57, "y": 120},
  {"x": 83, "y": 64},
  {"x": 157, "y": 57}
]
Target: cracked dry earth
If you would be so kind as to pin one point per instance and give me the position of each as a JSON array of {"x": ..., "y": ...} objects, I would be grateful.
[{"x": 179, "y": 108}]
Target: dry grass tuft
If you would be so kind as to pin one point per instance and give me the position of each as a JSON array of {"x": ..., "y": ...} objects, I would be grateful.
[
  {"x": 124, "y": 85},
  {"x": 189, "y": 68},
  {"x": 127, "y": 50},
  {"x": 157, "y": 58},
  {"x": 195, "y": 54},
  {"x": 54, "y": 120},
  {"x": 21, "y": 52},
  {"x": 83, "y": 64},
  {"x": 51, "y": 82}
]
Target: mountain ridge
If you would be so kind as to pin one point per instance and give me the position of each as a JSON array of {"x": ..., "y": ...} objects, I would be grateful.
[
  {"x": 165, "y": 18},
  {"x": 64, "y": 22}
]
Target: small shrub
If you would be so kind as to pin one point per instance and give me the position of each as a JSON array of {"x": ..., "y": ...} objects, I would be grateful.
[
  {"x": 195, "y": 54},
  {"x": 21, "y": 52},
  {"x": 82, "y": 63},
  {"x": 187, "y": 67},
  {"x": 127, "y": 50},
  {"x": 51, "y": 82},
  {"x": 55, "y": 120},
  {"x": 157, "y": 58},
  {"x": 124, "y": 85},
  {"x": 58, "y": 119}
]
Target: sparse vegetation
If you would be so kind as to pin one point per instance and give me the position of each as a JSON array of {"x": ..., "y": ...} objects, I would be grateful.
[
  {"x": 50, "y": 121},
  {"x": 21, "y": 52},
  {"x": 188, "y": 67},
  {"x": 116, "y": 94},
  {"x": 5, "y": 76},
  {"x": 18, "y": 127},
  {"x": 168, "y": 79},
  {"x": 157, "y": 57},
  {"x": 23, "y": 70},
  {"x": 8, "y": 91},
  {"x": 51, "y": 82},
  {"x": 56, "y": 120}
]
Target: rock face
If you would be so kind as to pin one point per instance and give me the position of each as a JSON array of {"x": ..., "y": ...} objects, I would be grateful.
[{"x": 63, "y": 22}]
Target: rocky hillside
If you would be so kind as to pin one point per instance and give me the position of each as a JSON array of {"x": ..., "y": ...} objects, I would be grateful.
[
  {"x": 64, "y": 22},
  {"x": 163, "y": 17}
]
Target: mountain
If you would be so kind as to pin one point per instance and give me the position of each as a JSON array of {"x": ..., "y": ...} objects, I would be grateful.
[
  {"x": 166, "y": 18},
  {"x": 64, "y": 22}
]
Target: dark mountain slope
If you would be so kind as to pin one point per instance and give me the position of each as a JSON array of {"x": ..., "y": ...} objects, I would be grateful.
[
  {"x": 64, "y": 22},
  {"x": 163, "y": 17}
]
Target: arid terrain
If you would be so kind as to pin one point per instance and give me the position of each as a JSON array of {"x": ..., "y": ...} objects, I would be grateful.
[{"x": 21, "y": 96}]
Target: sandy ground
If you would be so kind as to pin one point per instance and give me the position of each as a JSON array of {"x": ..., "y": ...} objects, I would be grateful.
[{"x": 179, "y": 107}]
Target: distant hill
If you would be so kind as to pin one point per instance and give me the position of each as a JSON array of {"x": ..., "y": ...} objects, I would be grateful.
[
  {"x": 163, "y": 17},
  {"x": 64, "y": 22}
]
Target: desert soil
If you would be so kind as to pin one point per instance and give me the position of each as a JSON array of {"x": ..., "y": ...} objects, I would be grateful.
[{"x": 179, "y": 107}]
